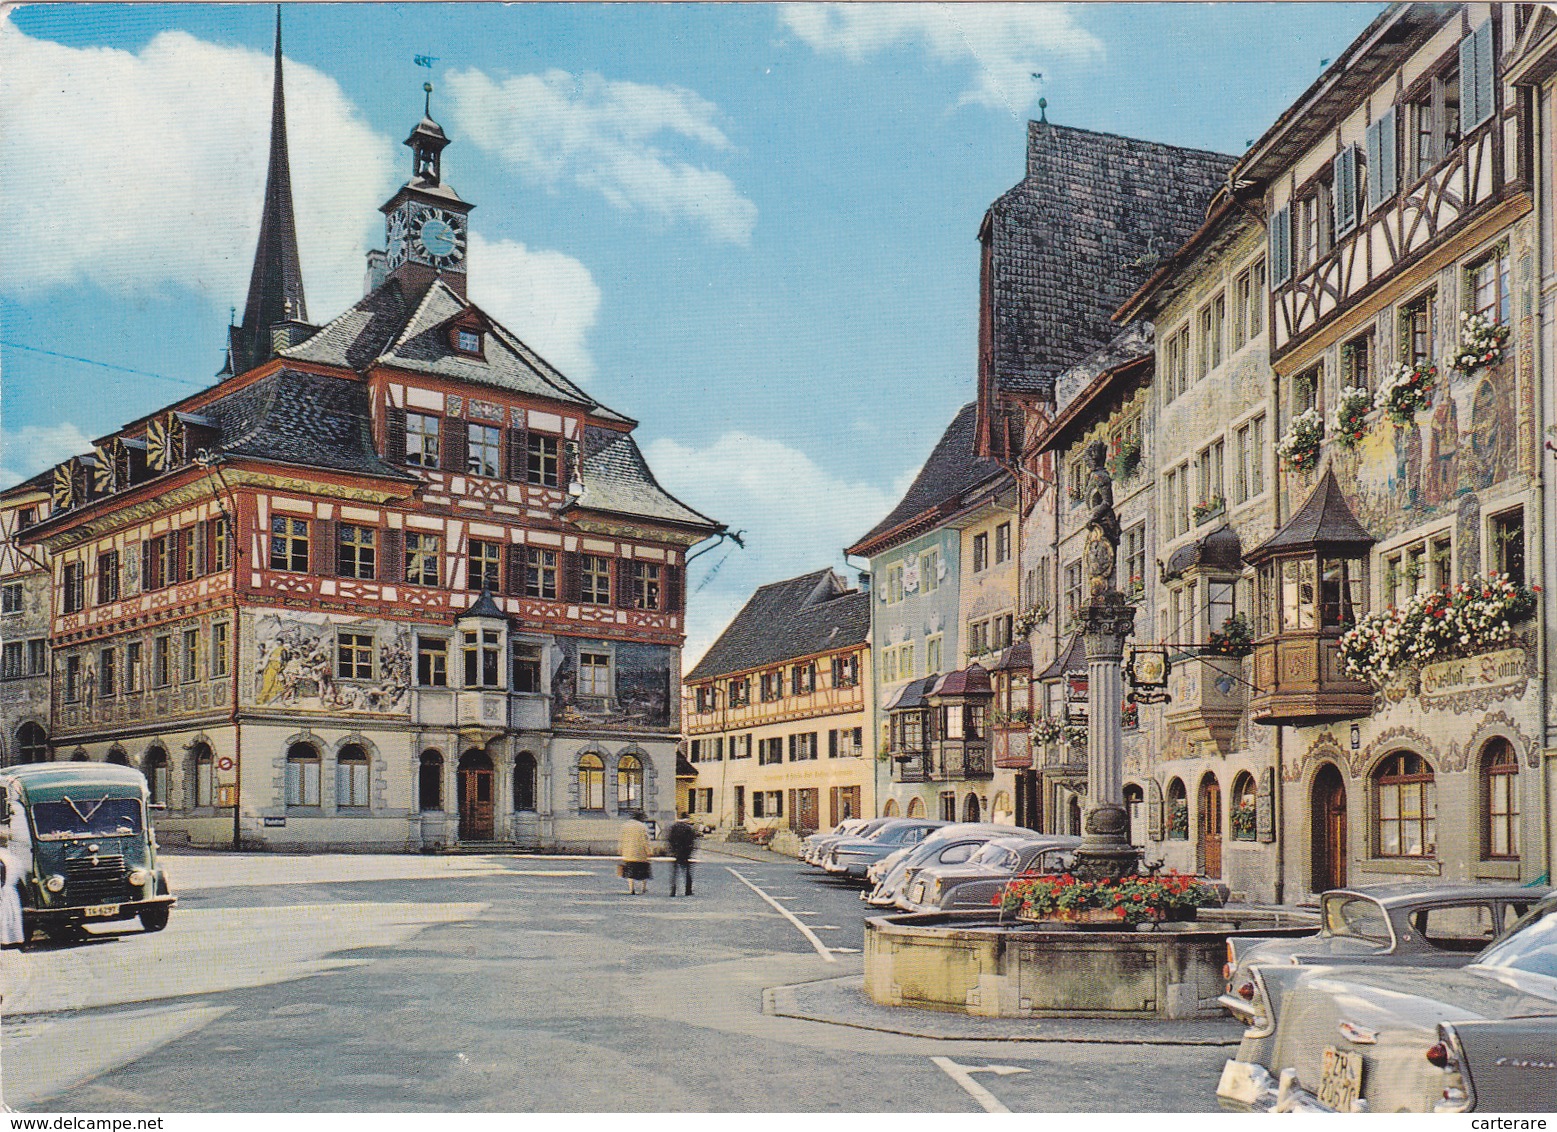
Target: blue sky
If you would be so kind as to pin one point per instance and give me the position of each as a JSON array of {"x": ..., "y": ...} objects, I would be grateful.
[{"x": 751, "y": 227}]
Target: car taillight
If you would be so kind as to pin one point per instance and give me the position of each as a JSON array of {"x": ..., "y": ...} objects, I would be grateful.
[
  {"x": 1438, "y": 1054},
  {"x": 1246, "y": 992}
]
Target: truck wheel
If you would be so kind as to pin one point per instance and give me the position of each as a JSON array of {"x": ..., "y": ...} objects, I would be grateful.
[{"x": 154, "y": 919}]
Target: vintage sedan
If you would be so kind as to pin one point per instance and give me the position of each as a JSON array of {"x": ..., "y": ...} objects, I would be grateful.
[
  {"x": 818, "y": 843},
  {"x": 949, "y": 845},
  {"x": 1378, "y": 1038},
  {"x": 853, "y": 855},
  {"x": 1412, "y": 924},
  {"x": 979, "y": 881}
]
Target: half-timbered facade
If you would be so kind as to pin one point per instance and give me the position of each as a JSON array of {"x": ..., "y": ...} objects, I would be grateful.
[
  {"x": 25, "y": 609},
  {"x": 394, "y": 581}
]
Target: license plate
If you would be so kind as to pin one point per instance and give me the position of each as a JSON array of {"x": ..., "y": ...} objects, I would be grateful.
[
  {"x": 1340, "y": 1078},
  {"x": 99, "y": 910}
]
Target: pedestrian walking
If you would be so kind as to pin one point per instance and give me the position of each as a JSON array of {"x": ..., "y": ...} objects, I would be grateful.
[
  {"x": 682, "y": 838},
  {"x": 15, "y": 863},
  {"x": 634, "y": 849}
]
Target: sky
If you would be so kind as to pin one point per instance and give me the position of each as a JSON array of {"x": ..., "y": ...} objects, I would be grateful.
[{"x": 752, "y": 228}]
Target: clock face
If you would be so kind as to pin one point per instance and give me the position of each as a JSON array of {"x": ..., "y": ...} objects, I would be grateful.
[
  {"x": 397, "y": 248},
  {"x": 440, "y": 238}
]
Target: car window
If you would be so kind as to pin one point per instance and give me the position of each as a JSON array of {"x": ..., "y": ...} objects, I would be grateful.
[
  {"x": 1532, "y": 948},
  {"x": 1456, "y": 927},
  {"x": 1511, "y": 913},
  {"x": 1355, "y": 917},
  {"x": 957, "y": 854},
  {"x": 1053, "y": 861}
]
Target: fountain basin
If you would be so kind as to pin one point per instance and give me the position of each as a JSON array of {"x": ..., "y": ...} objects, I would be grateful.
[{"x": 973, "y": 963}]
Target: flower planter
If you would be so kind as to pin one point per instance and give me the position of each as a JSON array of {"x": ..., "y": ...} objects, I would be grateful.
[{"x": 1113, "y": 917}]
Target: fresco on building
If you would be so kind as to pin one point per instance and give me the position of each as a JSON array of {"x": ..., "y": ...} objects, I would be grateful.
[
  {"x": 295, "y": 665},
  {"x": 614, "y": 684}
]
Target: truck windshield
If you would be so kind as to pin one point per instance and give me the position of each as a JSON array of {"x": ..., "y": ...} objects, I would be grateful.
[{"x": 87, "y": 817}]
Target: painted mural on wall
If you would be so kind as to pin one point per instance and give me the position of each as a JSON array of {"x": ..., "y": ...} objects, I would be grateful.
[
  {"x": 613, "y": 684},
  {"x": 1463, "y": 445},
  {"x": 295, "y": 665}
]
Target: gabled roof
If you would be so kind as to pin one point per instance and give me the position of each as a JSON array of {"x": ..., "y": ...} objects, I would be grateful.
[
  {"x": 308, "y": 419},
  {"x": 1324, "y": 522},
  {"x": 383, "y": 329},
  {"x": 951, "y": 471},
  {"x": 804, "y": 616},
  {"x": 911, "y": 694},
  {"x": 617, "y": 480},
  {"x": 1076, "y": 237}
]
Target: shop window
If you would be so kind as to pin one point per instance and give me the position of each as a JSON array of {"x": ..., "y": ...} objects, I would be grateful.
[
  {"x": 1500, "y": 800},
  {"x": 1405, "y": 807}
]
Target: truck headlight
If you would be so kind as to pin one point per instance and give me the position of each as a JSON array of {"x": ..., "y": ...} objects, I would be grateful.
[
  {"x": 55, "y": 883},
  {"x": 139, "y": 877}
]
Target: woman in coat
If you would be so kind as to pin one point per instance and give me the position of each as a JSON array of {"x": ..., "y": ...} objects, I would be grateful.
[{"x": 634, "y": 849}]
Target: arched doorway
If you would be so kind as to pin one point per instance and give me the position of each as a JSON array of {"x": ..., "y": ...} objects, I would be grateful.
[
  {"x": 475, "y": 796},
  {"x": 524, "y": 783},
  {"x": 1209, "y": 823},
  {"x": 916, "y": 807},
  {"x": 32, "y": 744},
  {"x": 1327, "y": 809},
  {"x": 429, "y": 782},
  {"x": 889, "y": 810},
  {"x": 1073, "y": 815},
  {"x": 970, "y": 808}
]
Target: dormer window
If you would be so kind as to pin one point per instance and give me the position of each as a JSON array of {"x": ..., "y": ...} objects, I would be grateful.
[{"x": 467, "y": 341}]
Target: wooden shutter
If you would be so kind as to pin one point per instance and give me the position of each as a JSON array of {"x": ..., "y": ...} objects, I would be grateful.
[
  {"x": 670, "y": 590},
  {"x": 1344, "y": 168},
  {"x": 180, "y": 555},
  {"x": 198, "y": 533},
  {"x": 518, "y": 455},
  {"x": 456, "y": 445},
  {"x": 322, "y": 551},
  {"x": 515, "y": 569},
  {"x": 1476, "y": 78},
  {"x": 564, "y": 476},
  {"x": 394, "y": 435},
  {"x": 390, "y": 564},
  {"x": 1373, "y": 142},
  {"x": 1281, "y": 245},
  {"x": 622, "y": 571},
  {"x": 568, "y": 567},
  {"x": 146, "y": 584}
]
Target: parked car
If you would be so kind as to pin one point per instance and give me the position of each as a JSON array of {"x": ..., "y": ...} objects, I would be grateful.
[
  {"x": 949, "y": 845},
  {"x": 979, "y": 881},
  {"x": 819, "y": 841},
  {"x": 1376, "y": 1038},
  {"x": 82, "y": 847},
  {"x": 1413, "y": 924},
  {"x": 853, "y": 855}
]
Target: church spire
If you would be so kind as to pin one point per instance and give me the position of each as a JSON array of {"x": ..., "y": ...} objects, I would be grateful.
[{"x": 276, "y": 283}]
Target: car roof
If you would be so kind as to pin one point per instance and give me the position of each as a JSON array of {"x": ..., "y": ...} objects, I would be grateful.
[
  {"x": 1398, "y": 893},
  {"x": 36, "y": 777}
]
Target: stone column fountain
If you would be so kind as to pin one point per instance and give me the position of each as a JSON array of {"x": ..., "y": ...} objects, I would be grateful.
[{"x": 1105, "y": 850}]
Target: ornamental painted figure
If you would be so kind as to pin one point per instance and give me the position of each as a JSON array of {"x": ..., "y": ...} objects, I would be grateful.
[{"x": 1102, "y": 551}]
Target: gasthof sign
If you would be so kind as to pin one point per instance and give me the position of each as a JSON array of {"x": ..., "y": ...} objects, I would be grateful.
[{"x": 1500, "y": 669}]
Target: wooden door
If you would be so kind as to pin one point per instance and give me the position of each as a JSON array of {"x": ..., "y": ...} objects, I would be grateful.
[
  {"x": 475, "y": 789},
  {"x": 740, "y": 805},
  {"x": 1328, "y": 815},
  {"x": 1210, "y": 827}
]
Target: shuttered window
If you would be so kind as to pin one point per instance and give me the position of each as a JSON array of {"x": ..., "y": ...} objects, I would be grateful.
[
  {"x": 1381, "y": 159},
  {"x": 1281, "y": 246},
  {"x": 1476, "y": 78},
  {"x": 1345, "y": 194}
]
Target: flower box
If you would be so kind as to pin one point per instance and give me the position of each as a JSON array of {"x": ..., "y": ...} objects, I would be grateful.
[
  {"x": 1350, "y": 424},
  {"x": 1406, "y": 393},
  {"x": 1299, "y": 447},
  {"x": 1064, "y": 898},
  {"x": 1481, "y": 342}
]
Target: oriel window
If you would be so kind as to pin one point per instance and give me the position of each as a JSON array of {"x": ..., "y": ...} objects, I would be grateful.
[{"x": 482, "y": 650}]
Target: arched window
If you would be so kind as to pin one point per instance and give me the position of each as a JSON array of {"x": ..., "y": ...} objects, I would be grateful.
[
  {"x": 200, "y": 759},
  {"x": 118, "y": 757},
  {"x": 916, "y": 807},
  {"x": 32, "y": 744},
  {"x": 1500, "y": 794},
  {"x": 1405, "y": 806},
  {"x": 1000, "y": 809},
  {"x": 591, "y": 782},
  {"x": 970, "y": 807},
  {"x": 351, "y": 778},
  {"x": 302, "y": 775},
  {"x": 1244, "y": 808},
  {"x": 157, "y": 775},
  {"x": 524, "y": 783},
  {"x": 890, "y": 809},
  {"x": 1135, "y": 806},
  {"x": 429, "y": 782},
  {"x": 629, "y": 784},
  {"x": 1178, "y": 811}
]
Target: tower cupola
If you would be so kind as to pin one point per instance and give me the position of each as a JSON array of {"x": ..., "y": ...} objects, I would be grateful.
[{"x": 426, "y": 224}]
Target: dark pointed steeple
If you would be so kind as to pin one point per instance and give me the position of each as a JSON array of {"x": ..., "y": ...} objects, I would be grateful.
[{"x": 276, "y": 283}]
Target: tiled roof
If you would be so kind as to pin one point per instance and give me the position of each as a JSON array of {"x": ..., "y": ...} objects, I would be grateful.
[
  {"x": 617, "y": 479},
  {"x": 1073, "y": 240},
  {"x": 307, "y": 419},
  {"x": 951, "y": 470},
  {"x": 382, "y": 328},
  {"x": 802, "y": 616},
  {"x": 1324, "y": 521}
]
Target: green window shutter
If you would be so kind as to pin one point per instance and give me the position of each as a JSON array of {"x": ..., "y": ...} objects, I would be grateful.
[
  {"x": 1281, "y": 246},
  {"x": 1486, "y": 72},
  {"x": 1344, "y": 198},
  {"x": 1387, "y": 150},
  {"x": 1476, "y": 78}
]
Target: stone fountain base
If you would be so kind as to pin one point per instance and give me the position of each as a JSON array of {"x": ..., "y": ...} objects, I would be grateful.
[{"x": 972, "y": 963}]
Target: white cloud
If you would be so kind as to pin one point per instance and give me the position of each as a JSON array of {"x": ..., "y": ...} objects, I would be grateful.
[
  {"x": 1004, "y": 43},
  {"x": 547, "y": 298},
  {"x": 797, "y": 515},
  {"x": 32, "y": 448},
  {"x": 142, "y": 172},
  {"x": 610, "y": 137}
]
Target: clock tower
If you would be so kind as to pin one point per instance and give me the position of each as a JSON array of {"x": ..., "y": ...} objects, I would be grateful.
[{"x": 426, "y": 224}]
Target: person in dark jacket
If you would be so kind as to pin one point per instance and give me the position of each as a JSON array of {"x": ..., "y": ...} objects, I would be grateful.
[{"x": 681, "y": 838}]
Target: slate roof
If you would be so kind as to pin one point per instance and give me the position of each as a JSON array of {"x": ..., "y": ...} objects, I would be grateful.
[
  {"x": 307, "y": 419},
  {"x": 617, "y": 479},
  {"x": 1079, "y": 233},
  {"x": 951, "y": 471},
  {"x": 1219, "y": 550},
  {"x": 802, "y": 616},
  {"x": 1323, "y": 521},
  {"x": 383, "y": 328},
  {"x": 1072, "y": 659}
]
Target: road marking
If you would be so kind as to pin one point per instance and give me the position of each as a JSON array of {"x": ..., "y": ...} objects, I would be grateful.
[
  {"x": 821, "y": 948},
  {"x": 553, "y": 873},
  {"x": 963, "y": 1075}
]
